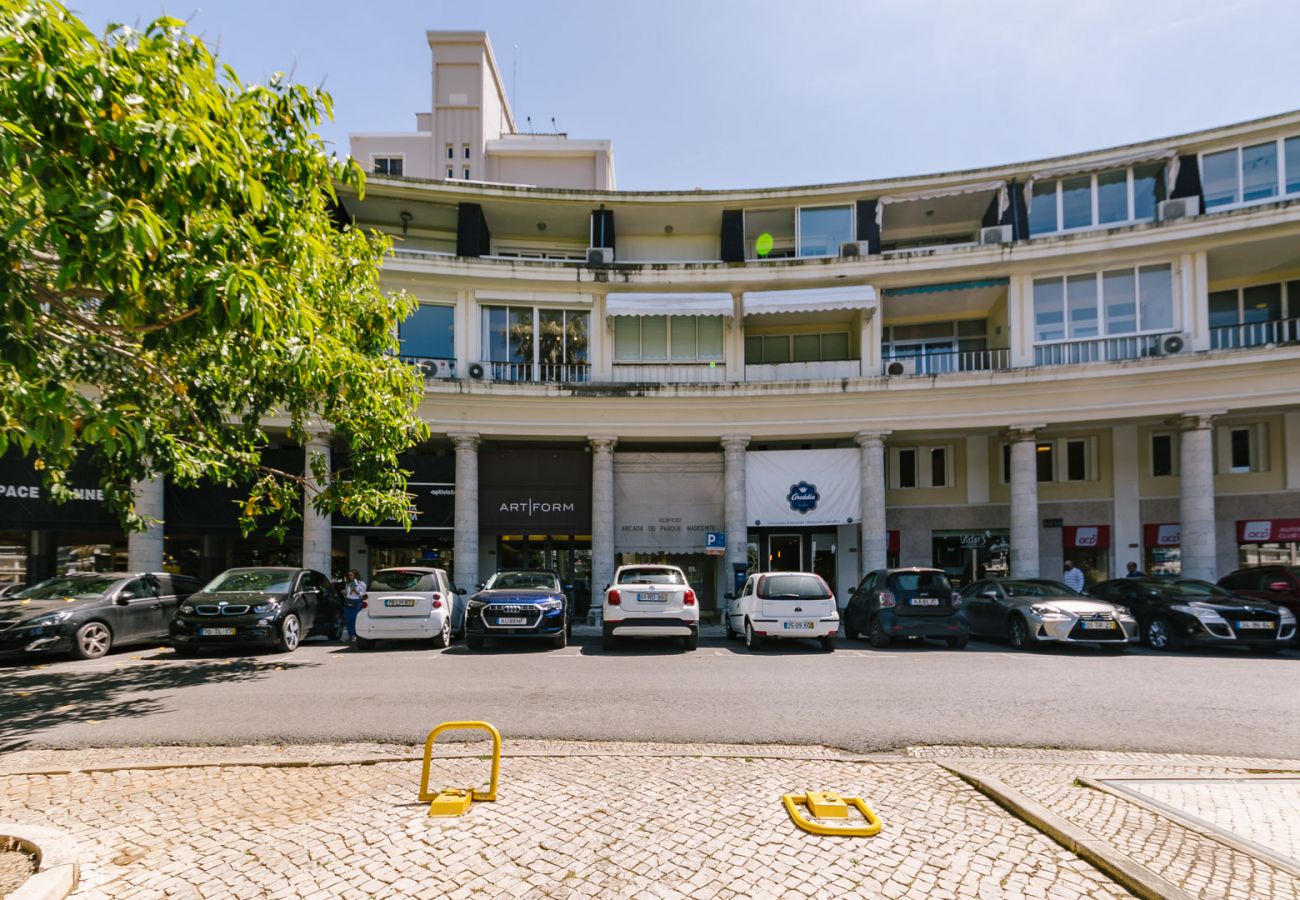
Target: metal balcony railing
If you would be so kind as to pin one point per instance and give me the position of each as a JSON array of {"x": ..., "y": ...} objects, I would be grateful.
[
  {"x": 1255, "y": 334},
  {"x": 539, "y": 373},
  {"x": 669, "y": 373},
  {"x": 1067, "y": 353},
  {"x": 948, "y": 363}
]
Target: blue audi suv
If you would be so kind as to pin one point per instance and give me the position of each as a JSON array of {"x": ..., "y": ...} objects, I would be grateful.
[{"x": 518, "y": 604}]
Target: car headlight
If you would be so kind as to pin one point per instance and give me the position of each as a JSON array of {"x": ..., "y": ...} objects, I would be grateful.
[
  {"x": 187, "y": 609},
  {"x": 1288, "y": 617},
  {"x": 551, "y": 604},
  {"x": 1205, "y": 615},
  {"x": 1124, "y": 612},
  {"x": 476, "y": 604},
  {"x": 1046, "y": 609},
  {"x": 48, "y": 619},
  {"x": 264, "y": 608}
]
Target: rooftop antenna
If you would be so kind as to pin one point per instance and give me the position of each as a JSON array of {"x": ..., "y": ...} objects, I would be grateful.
[
  {"x": 529, "y": 120},
  {"x": 554, "y": 128}
]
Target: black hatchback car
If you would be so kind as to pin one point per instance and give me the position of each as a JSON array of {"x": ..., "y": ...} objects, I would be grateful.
[
  {"x": 519, "y": 604},
  {"x": 279, "y": 607},
  {"x": 88, "y": 613},
  {"x": 1176, "y": 612},
  {"x": 910, "y": 603}
]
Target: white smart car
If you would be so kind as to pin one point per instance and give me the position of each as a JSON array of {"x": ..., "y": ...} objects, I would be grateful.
[
  {"x": 651, "y": 601},
  {"x": 783, "y": 605},
  {"x": 411, "y": 603}
]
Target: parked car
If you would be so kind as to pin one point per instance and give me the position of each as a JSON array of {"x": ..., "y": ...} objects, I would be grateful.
[
  {"x": 1172, "y": 612},
  {"x": 1030, "y": 612},
  {"x": 10, "y": 588},
  {"x": 271, "y": 606},
  {"x": 86, "y": 614},
  {"x": 412, "y": 603},
  {"x": 783, "y": 605},
  {"x": 1275, "y": 584},
  {"x": 650, "y": 601},
  {"x": 906, "y": 603},
  {"x": 519, "y": 604}
]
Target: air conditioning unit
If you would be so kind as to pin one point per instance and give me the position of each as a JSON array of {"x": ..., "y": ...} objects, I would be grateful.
[
  {"x": 1182, "y": 208},
  {"x": 479, "y": 372},
  {"x": 437, "y": 368},
  {"x": 901, "y": 367},
  {"x": 1171, "y": 344},
  {"x": 996, "y": 234},
  {"x": 600, "y": 256},
  {"x": 855, "y": 248}
]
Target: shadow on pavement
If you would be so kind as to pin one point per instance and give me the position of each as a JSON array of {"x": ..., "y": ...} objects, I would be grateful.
[{"x": 40, "y": 699}]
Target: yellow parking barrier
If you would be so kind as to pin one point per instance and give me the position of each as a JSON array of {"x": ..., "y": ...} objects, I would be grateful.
[
  {"x": 829, "y": 805},
  {"x": 456, "y": 801}
]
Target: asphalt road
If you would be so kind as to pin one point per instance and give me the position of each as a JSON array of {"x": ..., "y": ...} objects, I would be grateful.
[{"x": 1216, "y": 701}]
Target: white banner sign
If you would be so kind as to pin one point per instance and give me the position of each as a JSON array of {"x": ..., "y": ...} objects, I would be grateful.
[
  {"x": 802, "y": 487},
  {"x": 666, "y": 502}
]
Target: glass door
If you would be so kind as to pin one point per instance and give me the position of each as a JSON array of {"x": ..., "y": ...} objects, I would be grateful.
[{"x": 785, "y": 553}]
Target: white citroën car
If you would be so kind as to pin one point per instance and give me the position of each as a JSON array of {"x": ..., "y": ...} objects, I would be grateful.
[{"x": 650, "y": 601}]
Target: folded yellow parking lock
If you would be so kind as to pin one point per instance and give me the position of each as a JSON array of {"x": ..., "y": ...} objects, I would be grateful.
[
  {"x": 456, "y": 801},
  {"x": 828, "y": 805}
]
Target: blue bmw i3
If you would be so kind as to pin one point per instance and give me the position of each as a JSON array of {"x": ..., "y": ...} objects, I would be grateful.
[{"x": 518, "y": 604}]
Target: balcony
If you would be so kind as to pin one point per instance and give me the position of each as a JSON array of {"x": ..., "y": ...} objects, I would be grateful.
[
  {"x": 666, "y": 373},
  {"x": 948, "y": 363},
  {"x": 804, "y": 371},
  {"x": 537, "y": 373},
  {"x": 1116, "y": 349},
  {"x": 1255, "y": 334}
]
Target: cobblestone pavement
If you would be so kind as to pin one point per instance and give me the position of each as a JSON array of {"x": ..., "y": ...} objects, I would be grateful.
[{"x": 602, "y": 819}]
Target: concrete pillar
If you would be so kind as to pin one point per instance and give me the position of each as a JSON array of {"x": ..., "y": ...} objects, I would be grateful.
[
  {"x": 875, "y": 535},
  {"x": 316, "y": 536},
  {"x": 144, "y": 549},
  {"x": 870, "y": 353},
  {"x": 735, "y": 332},
  {"x": 1126, "y": 527},
  {"x": 1196, "y": 495},
  {"x": 733, "y": 473},
  {"x": 602, "y": 514},
  {"x": 1020, "y": 322},
  {"x": 1024, "y": 502},
  {"x": 465, "y": 546}
]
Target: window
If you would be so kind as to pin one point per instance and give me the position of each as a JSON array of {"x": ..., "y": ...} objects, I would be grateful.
[
  {"x": 682, "y": 339},
  {"x": 1240, "y": 450},
  {"x": 1046, "y": 468},
  {"x": 451, "y": 173},
  {"x": 1254, "y": 316},
  {"x": 451, "y": 152},
  {"x": 1291, "y": 162},
  {"x": 823, "y": 228},
  {"x": 1076, "y": 460},
  {"x": 1243, "y": 448},
  {"x": 766, "y": 349},
  {"x": 387, "y": 165},
  {"x": 467, "y": 174},
  {"x": 427, "y": 334},
  {"x": 1131, "y": 301},
  {"x": 1162, "y": 455},
  {"x": 467, "y": 151},
  {"x": 1058, "y": 460},
  {"x": 769, "y": 233},
  {"x": 909, "y": 468},
  {"x": 522, "y": 335},
  {"x": 806, "y": 231},
  {"x": 938, "y": 467},
  {"x": 1104, "y": 198},
  {"x": 1251, "y": 173}
]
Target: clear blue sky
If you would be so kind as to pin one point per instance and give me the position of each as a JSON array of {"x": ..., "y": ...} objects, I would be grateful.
[{"x": 707, "y": 93}]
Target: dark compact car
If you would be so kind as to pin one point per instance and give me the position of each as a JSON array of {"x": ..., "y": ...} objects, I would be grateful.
[
  {"x": 1276, "y": 584},
  {"x": 1172, "y": 612},
  {"x": 87, "y": 613},
  {"x": 911, "y": 603},
  {"x": 518, "y": 604},
  {"x": 270, "y": 606}
]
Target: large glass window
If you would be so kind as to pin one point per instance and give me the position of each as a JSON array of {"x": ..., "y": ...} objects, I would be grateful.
[
  {"x": 1292, "y": 161},
  {"x": 1081, "y": 201},
  {"x": 1042, "y": 208},
  {"x": 1219, "y": 178},
  {"x": 1223, "y": 309},
  {"x": 427, "y": 334},
  {"x": 1251, "y": 173},
  {"x": 1261, "y": 303},
  {"x": 1120, "y": 290},
  {"x": 762, "y": 349},
  {"x": 1112, "y": 196},
  {"x": 684, "y": 339},
  {"x": 521, "y": 335},
  {"x": 1070, "y": 306},
  {"x": 769, "y": 233},
  {"x": 1155, "y": 298},
  {"x": 1076, "y": 202},
  {"x": 823, "y": 228},
  {"x": 1259, "y": 171},
  {"x": 1049, "y": 310},
  {"x": 1081, "y": 305},
  {"x": 1148, "y": 190}
]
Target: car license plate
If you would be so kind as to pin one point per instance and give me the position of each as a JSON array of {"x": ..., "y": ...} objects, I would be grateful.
[
  {"x": 1258, "y": 624},
  {"x": 215, "y": 632},
  {"x": 924, "y": 601},
  {"x": 797, "y": 626},
  {"x": 512, "y": 620},
  {"x": 1098, "y": 626},
  {"x": 652, "y": 598},
  {"x": 399, "y": 601}
]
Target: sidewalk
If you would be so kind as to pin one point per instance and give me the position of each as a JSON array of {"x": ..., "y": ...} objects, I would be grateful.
[{"x": 660, "y": 820}]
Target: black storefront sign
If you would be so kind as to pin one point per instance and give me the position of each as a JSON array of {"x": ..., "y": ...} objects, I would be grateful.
[
  {"x": 535, "y": 492},
  {"x": 25, "y": 504},
  {"x": 432, "y": 486}
]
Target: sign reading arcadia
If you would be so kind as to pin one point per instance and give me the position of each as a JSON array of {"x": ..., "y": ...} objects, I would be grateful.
[{"x": 534, "y": 491}]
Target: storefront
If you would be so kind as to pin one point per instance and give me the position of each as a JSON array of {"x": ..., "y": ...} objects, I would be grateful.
[
  {"x": 1088, "y": 547},
  {"x": 535, "y": 513},
  {"x": 665, "y": 506},
  {"x": 1266, "y": 542},
  {"x": 972, "y": 554},
  {"x": 804, "y": 508},
  {"x": 1161, "y": 548}
]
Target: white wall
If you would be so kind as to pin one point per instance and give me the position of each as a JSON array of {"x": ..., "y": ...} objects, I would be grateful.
[{"x": 668, "y": 247}]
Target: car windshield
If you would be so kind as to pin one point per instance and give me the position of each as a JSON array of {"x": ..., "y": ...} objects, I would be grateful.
[
  {"x": 793, "y": 587},
  {"x": 267, "y": 581},
  {"x": 523, "y": 581},
  {"x": 402, "y": 580},
  {"x": 79, "y": 586},
  {"x": 1190, "y": 588},
  {"x": 651, "y": 576},
  {"x": 920, "y": 581},
  {"x": 1037, "y": 589}
]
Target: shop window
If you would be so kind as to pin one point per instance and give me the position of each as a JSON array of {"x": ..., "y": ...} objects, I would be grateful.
[{"x": 1162, "y": 455}]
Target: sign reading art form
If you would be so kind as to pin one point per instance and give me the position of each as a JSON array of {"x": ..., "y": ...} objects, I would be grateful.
[
  {"x": 535, "y": 491},
  {"x": 666, "y": 502},
  {"x": 803, "y": 487}
]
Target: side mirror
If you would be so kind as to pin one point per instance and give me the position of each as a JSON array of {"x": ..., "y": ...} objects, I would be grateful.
[
  {"x": 729, "y": 596},
  {"x": 853, "y": 591},
  {"x": 461, "y": 592},
  {"x": 1279, "y": 586},
  {"x": 607, "y": 587},
  {"x": 124, "y": 598}
]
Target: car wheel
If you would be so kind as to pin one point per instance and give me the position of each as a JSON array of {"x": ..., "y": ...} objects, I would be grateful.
[
  {"x": 828, "y": 643},
  {"x": 290, "y": 634},
  {"x": 365, "y": 643},
  {"x": 443, "y": 637},
  {"x": 752, "y": 641},
  {"x": 1159, "y": 634},
  {"x": 691, "y": 641},
  {"x": 958, "y": 643},
  {"x": 560, "y": 641},
  {"x": 876, "y": 634},
  {"x": 186, "y": 650},
  {"x": 473, "y": 642},
  {"x": 607, "y": 639},
  {"x": 1018, "y": 634},
  {"x": 92, "y": 641},
  {"x": 336, "y": 627},
  {"x": 726, "y": 623}
]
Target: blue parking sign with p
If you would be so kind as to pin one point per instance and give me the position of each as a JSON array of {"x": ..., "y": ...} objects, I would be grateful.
[{"x": 715, "y": 541}]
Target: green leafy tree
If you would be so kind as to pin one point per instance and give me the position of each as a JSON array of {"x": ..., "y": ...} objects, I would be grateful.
[{"x": 174, "y": 282}]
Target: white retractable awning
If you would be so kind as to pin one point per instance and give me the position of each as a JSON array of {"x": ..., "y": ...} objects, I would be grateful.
[
  {"x": 626, "y": 303},
  {"x": 855, "y": 296},
  {"x": 950, "y": 191}
]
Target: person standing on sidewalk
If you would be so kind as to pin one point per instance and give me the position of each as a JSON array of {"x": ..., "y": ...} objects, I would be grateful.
[
  {"x": 354, "y": 591},
  {"x": 1073, "y": 578}
]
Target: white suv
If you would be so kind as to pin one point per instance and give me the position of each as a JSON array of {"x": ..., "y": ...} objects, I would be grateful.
[
  {"x": 651, "y": 601},
  {"x": 783, "y": 605}
]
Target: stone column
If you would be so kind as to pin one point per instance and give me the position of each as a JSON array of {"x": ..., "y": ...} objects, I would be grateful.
[
  {"x": 1024, "y": 502},
  {"x": 316, "y": 536},
  {"x": 1196, "y": 495},
  {"x": 465, "y": 546},
  {"x": 602, "y": 514},
  {"x": 875, "y": 534},
  {"x": 144, "y": 549},
  {"x": 733, "y": 469}
]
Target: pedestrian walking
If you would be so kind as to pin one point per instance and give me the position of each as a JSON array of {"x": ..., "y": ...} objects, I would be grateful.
[
  {"x": 354, "y": 591},
  {"x": 1134, "y": 571},
  {"x": 1073, "y": 578}
]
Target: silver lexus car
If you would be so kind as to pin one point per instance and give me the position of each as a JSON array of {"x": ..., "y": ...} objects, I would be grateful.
[{"x": 1035, "y": 611}]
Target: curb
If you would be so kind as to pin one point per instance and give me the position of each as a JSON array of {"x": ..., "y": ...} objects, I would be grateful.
[
  {"x": 57, "y": 869},
  {"x": 1133, "y": 876}
]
